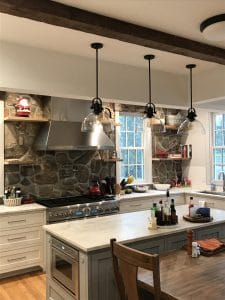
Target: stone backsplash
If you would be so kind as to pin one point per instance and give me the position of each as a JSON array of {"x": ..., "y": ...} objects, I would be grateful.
[{"x": 58, "y": 173}]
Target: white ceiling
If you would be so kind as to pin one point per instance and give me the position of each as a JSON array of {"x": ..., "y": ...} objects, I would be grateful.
[{"x": 180, "y": 17}]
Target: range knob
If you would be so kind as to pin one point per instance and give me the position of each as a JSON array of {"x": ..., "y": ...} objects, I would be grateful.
[
  {"x": 86, "y": 211},
  {"x": 100, "y": 210},
  {"x": 115, "y": 209}
]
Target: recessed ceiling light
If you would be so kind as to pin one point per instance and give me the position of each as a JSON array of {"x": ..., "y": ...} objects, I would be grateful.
[{"x": 214, "y": 28}]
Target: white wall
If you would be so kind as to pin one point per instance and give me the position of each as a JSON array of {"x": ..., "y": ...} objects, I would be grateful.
[
  {"x": 50, "y": 73},
  {"x": 209, "y": 85}
]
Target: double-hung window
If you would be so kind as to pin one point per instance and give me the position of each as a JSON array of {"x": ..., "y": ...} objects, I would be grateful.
[
  {"x": 218, "y": 145},
  {"x": 133, "y": 145}
]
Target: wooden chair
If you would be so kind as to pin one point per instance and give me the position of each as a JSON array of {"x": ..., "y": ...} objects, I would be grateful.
[{"x": 126, "y": 262}]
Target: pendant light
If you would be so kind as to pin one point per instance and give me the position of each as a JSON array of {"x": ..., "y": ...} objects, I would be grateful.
[
  {"x": 150, "y": 110},
  {"x": 99, "y": 113},
  {"x": 191, "y": 113}
]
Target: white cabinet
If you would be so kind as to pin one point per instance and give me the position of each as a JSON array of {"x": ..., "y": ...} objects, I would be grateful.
[
  {"x": 56, "y": 292},
  {"x": 21, "y": 241},
  {"x": 135, "y": 204},
  {"x": 143, "y": 203},
  {"x": 210, "y": 201}
]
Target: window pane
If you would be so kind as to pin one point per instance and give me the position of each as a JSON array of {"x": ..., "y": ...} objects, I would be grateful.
[
  {"x": 217, "y": 170},
  {"x": 223, "y": 134},
  {"x": 132, "y": 156},
  {"x": 138, "y": 141},
  {"x": 130, "y": 139},
  {"x": 218, "y": 122},
  {"x": 138, "y": 124},
  {"x": 223, "y": 157},
  {"x": 130, "y": 123},
  {"x": 132, "y": 170},
  {"x": 122, "y": 121},
  {"x": 124, "y": 171},
  {"x": 122, "y": 139},
  {"x": 223, "y": 120},
  {"x": 218, "y": 156},
  {"x": 140, "y": 172},
  {"x": 218, "y": 138},
  {"x": 131, "y": 146},
  {"x": 140, "y": 155},
  {"x": 124, "y": 156}
]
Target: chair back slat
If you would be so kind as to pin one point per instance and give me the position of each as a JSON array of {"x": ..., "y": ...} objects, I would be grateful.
[{"x": 126, "y": 262}]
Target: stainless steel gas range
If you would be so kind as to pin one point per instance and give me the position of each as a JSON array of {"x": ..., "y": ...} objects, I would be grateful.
[{"x": 77, "y": 207}]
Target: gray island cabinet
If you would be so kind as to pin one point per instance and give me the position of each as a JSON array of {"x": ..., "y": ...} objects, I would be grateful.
[{"x": 91, "y": 238}]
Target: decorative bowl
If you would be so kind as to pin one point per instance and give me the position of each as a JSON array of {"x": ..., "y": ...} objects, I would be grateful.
[{"x": 162, "y": 186}]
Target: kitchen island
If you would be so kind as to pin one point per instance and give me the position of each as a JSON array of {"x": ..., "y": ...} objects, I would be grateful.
[{"x": 91, "y": 238}]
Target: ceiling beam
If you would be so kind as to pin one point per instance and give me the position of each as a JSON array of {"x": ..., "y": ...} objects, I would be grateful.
[{"x": 70, "y": 17}]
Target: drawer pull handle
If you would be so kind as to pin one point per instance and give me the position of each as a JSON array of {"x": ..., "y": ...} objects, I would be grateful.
[
  {"x": 135, "y": 205},
  {"x": 16, "y": 259},
  {"x": 16, "y": 238},
  {"x": 16, "y": 221}
]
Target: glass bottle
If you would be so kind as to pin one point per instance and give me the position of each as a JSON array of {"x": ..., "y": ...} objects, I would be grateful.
[{"x": 191, "y": 204}]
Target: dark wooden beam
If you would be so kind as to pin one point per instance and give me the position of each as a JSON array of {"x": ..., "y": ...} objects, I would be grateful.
[{"x": 69, "y": 17}]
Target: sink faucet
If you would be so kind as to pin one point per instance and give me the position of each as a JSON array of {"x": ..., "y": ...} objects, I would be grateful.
[{"x": 223, "y": 177}]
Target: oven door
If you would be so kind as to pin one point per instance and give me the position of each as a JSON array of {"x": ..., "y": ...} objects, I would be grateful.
[{"x": 65, "y": 269}]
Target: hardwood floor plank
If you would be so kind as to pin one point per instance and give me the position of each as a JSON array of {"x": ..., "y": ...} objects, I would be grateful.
[{"x": 29, "y": 286}]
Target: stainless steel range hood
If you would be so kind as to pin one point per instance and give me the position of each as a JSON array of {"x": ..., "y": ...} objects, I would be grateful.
[{"x": 63, "y": 134}]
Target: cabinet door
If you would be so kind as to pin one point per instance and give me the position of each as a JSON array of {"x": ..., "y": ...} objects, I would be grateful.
[
  {"x": 210, "y": 232},
  {"x": 102, "y": 283},
  {"x": 55, "y": 292},
  {"x": 154, "y": 245},
  {"x": 179, "y": 199},
  {"x": 16, "y": 220},
  {"x": 20, "y": 258},
  {"x": 175, "y": 241},
  {"x": 135, "y": 204},
  {"x": 20, "y": 238}
]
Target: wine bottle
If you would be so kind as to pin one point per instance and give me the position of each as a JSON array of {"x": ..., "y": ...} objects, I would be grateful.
[{"x": 191, "y": 204}]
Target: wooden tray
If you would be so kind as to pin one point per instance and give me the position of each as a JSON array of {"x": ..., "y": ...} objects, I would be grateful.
[{"x": 197, "y": 219}]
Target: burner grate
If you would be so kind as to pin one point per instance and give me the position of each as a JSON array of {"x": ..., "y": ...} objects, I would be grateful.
[{"x": 72, "y": 200}]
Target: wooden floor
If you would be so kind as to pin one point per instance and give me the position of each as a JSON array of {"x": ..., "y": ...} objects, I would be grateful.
[{"x": 29, "y": 286}]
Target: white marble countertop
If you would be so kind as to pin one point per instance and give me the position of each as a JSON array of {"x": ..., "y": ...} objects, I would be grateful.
[
  {"x": 152, "y": 193},
  {"x": 20, "y": 208},
  {"x": 95, "y": 233},
  {"x": 173, "y": 191}
]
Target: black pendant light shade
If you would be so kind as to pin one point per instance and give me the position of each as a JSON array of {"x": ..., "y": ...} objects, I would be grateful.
[{"x": 191, "y": 112}]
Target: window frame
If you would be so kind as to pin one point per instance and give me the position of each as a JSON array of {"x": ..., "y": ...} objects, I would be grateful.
[
  {"x": 212, "y": 147},
  {"x": 147, "y": 145}
]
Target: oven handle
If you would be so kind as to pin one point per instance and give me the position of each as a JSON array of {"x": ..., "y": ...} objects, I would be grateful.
[{"x": 64, "y": 254}]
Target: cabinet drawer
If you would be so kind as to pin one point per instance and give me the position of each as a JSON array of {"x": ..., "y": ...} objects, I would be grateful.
[
  {"x": 135, "y": 205},
  {"x": 20, "y": 258},
  {"x": 56, "y": 292},
  {"x": 21, "y": 220},
  {"x": 19, "y": 238}
]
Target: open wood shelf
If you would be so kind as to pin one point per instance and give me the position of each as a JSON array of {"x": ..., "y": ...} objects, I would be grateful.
[
  {"x": 169, "y": 158},
  {"x": 25, "y": 119},
  {"x": 109, "y": 159},
  {"x": 18, "y": 162}
]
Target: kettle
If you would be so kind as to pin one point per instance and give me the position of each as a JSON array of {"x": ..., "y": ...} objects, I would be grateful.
[{"x": 94, "y": 189}]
